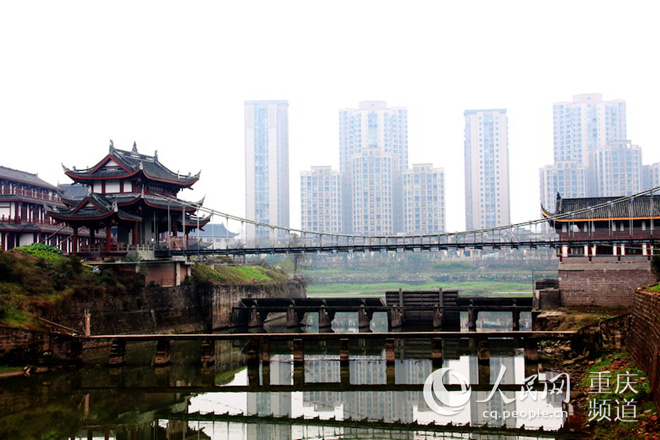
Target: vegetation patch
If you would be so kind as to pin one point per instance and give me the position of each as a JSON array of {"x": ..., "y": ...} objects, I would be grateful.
[
  {"x": 203, "y": 273},
  {"x": 378, "y": 289},
  {"x": 619, "y": 403},
  {"x": 37, "y": 280}
]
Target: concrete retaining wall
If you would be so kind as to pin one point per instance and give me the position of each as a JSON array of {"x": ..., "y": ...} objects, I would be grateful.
[{"x": 168, "y": 309}]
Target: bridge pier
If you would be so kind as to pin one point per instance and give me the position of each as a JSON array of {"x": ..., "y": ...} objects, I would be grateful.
[
  {"x": 293, "y": 316},
  {"x": 344, "y": 363},
  {"x": 298, "y": 352},
  {"x": 325, "y": 317},
  {"x": 483, "y": 359},
  {"x": 390, "y": 354},
  {"x": 117, "y": 353},
  {"x": 395, "y": 317},
  {"x": 436, "y": 353},
  {"x": 344, "y": 354},
  {"x": 473, "y": 314},
  {"x": 256, "y": 318},
  {"x": 265, "y": 352},
  {"x": 438, "y": 317},
  {"x": 364, "y": 317},
  {"x": 531, "y": 354},
  {"x": 252, "y": 354},
  {"x": 163, "y": 353},
  {"x": 516, "y": 318}
]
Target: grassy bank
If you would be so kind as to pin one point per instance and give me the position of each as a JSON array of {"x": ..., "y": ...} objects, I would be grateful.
[{"x": 378, "y": 289}]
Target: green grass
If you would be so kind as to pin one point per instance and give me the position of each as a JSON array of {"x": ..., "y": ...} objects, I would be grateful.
[
  {"x": 378, "y": 289},
  {"x": 203, "y": 273},
  {"x": 8, "y": 368},
  {"x": 619, "y": 364}
]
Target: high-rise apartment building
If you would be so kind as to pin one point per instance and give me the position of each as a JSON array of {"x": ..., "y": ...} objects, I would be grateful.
[
  {"x": 320, "y": 200},
  {"x": 586, "y": 124},
  {"x": 373, "y": 151},
  {"x": 424, "y": 199},
  {"x": 564, "y": 177},
  {"x": 266, "y": 168},
  {"x": 619, "y": 169},
  {"x": 650, "y": 176},
  {"x": 486, "y": 169},
  {"x": 374, "y": 184},
  {"x": 580, "y": 129}
]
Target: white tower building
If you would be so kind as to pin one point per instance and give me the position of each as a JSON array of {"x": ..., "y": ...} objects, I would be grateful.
[
  {"x": 424, "y": 199},
  {"x": 266, "y": 168},
  {"x": 373, "y": 151},
  {"x": 486, "y": 169}
]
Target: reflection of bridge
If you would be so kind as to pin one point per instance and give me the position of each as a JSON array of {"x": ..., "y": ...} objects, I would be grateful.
[
  {"x": 367, "y": 425},
  {"x": 611, "y": 222}
]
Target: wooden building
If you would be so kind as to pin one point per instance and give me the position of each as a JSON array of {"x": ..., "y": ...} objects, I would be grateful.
[
  {"x": 629, "y": 226},
  {"x": 130, "y": 204},
  {"x": 23, "y": 216},
  {"x": 610, "y": 241}
]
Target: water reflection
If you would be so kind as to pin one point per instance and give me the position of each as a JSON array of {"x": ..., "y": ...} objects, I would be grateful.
[{"x": 323, "y": 397}]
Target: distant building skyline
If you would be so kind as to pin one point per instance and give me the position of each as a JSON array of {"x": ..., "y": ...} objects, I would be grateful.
[
  {"x": 373, "y": 156},
  {"x": 581, "y": 128},
  {"x": 379, "y": 195},
  {"x": 619, "y": 169},
  {"x": 424, "y": 199},
  {"x": 320, "y": 200},
  {"x": 266, "y": 167},
  {"x": 486, "y": 163},
  {"x": 373, "y": 151}
]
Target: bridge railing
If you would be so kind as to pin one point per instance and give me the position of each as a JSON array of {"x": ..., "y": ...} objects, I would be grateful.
[{"x": 531, "y": 233}]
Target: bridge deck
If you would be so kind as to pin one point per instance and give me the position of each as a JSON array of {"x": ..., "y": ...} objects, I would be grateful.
[{"x": 337, "y": 336}]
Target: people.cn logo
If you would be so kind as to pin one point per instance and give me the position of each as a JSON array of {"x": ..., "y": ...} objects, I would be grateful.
[{"x": 442, "y": 401}]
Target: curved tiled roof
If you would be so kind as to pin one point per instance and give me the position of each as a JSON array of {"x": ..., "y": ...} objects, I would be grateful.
[
  {"x": 129, "y": 163},
  {"x": 606, "y": 208},
  {"x": 94, "y": 206},
  {"x": 27, "y": 178}
]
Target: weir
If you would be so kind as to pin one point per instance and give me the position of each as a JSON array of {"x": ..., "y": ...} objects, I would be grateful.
[{"x": 438, "y": 309}]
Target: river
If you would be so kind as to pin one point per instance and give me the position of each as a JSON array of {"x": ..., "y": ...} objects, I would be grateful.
[{"x": 367, "y": 397}]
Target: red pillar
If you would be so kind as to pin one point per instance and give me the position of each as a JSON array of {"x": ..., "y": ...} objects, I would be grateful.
[{"x": 75, "y": 240}]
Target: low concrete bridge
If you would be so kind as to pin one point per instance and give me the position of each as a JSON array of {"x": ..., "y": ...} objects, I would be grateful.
[
  {"x": 441, "y": 308},
  {"x": 259, "y": 347}
]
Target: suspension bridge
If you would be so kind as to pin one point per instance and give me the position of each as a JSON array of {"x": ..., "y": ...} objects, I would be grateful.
[{"x": 612, "y": 222}]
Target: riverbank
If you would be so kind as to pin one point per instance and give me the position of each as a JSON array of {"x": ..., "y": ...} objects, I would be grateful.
[{"x": 610, "y": 395}]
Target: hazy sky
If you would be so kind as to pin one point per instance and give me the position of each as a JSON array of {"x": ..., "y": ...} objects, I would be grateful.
[{"x": 173, "y": 77}]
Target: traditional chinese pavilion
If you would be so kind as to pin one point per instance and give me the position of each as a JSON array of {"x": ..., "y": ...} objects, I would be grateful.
[
  {"x": 609, "y": 244},
  {"x": 131, "y": 203}
]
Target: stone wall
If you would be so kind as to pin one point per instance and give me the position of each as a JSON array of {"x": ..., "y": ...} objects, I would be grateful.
[
  {"x": 611, "y": 283},
  {"x": 643, "y": 340},
  {"x": 157, "y": 310},
  {"x": 223, "y": 300},
  {"x": 22, "y": 347},
  {"x": 167, "y": 309},
  {"x": 606, "y": 335}
]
